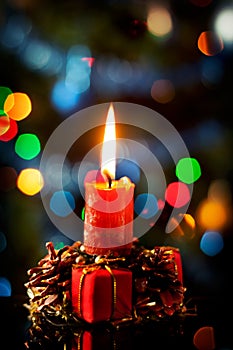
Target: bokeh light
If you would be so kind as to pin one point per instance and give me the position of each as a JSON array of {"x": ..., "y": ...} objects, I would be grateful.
[
  {"x": 204, "y": 338},
  {"x": 59, "y": 240},
  {"x": 89, "y": 60},
  {"x": 11, "y": 132},
  {"x": 220, "y": 191},
  {"x": 57, "y": 173},
  {"x": 182, "y": 229},
  {"x": 188, "y": 170},
  {"x": 4, "y": 92},
  {"x": 211, "y": 214},
  {"x": 177, "y": 194},
  {"x": 143, "y": 67},
  {"x": 27, "y": 146},
  {"x": 62, "y": 203},
  {"x": 63, "y": 98},
  {"x": 129, "y": 169},
  {"x": 211, "y": 243},
  {"x": 83, "y": 214},
  {"x": 5, "y": 287},
  {"x": 37, "y": 55},
  {"x": 210, "y": 43},
  {"x": 161, "y": 204},
  {"x": 163, "y": 91},
  {"x": 159, "y": 21},
  {"x": 146, "y": 205},
  {"x": 119, "y": 71},
  {"x": 4, "y": 122},
  {"x": 212, "y": 71},
  {"x": 8, "y": 176},
  {"x": 190, "y": 221},
  {"x": 18, "y": 105},
  {"x": 30, "y": 181},
  {"x": 224, "y": 24},
  {"x": 16, "y": 31},
  {"x": 113, "y": 83},
  {"x": 78, "y": 71}
]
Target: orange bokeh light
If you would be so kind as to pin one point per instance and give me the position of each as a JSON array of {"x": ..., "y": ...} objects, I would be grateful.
[
  {"x": 18, "y": 105},
  {"x": 210, "y": 43},
  {"x": 212, "y": 215}
]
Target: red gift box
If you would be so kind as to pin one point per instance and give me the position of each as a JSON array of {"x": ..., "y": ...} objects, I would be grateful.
[
  {"x": 101, "y": 293},
  {"x": 178, "y": 264},
  {"x": 174, "y": 254}
]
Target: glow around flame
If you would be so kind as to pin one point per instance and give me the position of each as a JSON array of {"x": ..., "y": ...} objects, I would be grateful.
[{"x": 108, "y": 158}]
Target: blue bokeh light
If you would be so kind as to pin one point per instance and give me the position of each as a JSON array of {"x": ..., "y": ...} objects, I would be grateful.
[
  {"x": 211, "y": 243},
  {"x": 63, "y": 98},
  {"x": 5, "y": 287},
  {"x": 146, "y": 205},
  {"x": 129, "y": 169},
  {"x": 62, "y": 203}
]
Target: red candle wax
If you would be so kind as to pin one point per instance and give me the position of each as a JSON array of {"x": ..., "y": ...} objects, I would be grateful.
[{"x": 109, "y": 212}]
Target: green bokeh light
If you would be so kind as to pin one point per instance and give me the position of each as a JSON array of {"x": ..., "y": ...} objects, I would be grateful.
[
  {"x": 27, "y": 146},
  {"x": 4, "y": 92},
  {"x": 83, "y": 214},
  {"x": 2, "y": 112},
  {"x": 188, "y": 170}
]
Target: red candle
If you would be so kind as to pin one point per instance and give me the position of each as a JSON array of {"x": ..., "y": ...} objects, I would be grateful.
[{"x": 109, "y": 205}]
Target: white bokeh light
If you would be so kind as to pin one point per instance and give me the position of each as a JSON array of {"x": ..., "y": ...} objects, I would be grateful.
[{"x": 224, "y": 24}]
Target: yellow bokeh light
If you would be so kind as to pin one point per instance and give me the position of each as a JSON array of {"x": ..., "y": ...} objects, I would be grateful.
[
  {"x": 190, "y": 221},
  {"x": 18, "y": 105},
  {"x": 212, "y": 215},
  {"x": 30, "y": 181},
  {"x": 159, "y": 22},
  {"x": 184, "y": 228}
]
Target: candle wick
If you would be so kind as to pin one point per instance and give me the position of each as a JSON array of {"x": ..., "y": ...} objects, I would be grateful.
[
  {"x": 108, "y": 177},
  {"x": 109, "y": 182}
]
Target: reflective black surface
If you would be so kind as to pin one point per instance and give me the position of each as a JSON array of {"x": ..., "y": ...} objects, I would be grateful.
[{"x": 210, "y": 312}]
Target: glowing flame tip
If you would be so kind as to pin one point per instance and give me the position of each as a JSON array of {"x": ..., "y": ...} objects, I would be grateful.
[{"x": 108, "y": 161}]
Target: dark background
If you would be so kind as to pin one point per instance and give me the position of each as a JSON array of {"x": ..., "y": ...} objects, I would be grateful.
[{"x": 201, "y": 111}]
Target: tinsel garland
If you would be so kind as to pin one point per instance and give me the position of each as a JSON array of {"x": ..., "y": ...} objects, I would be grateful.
[{"x": 158, "y": 294}]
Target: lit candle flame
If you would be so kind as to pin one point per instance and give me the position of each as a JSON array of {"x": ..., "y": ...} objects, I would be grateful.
[{"x": 108, "y": 160}]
